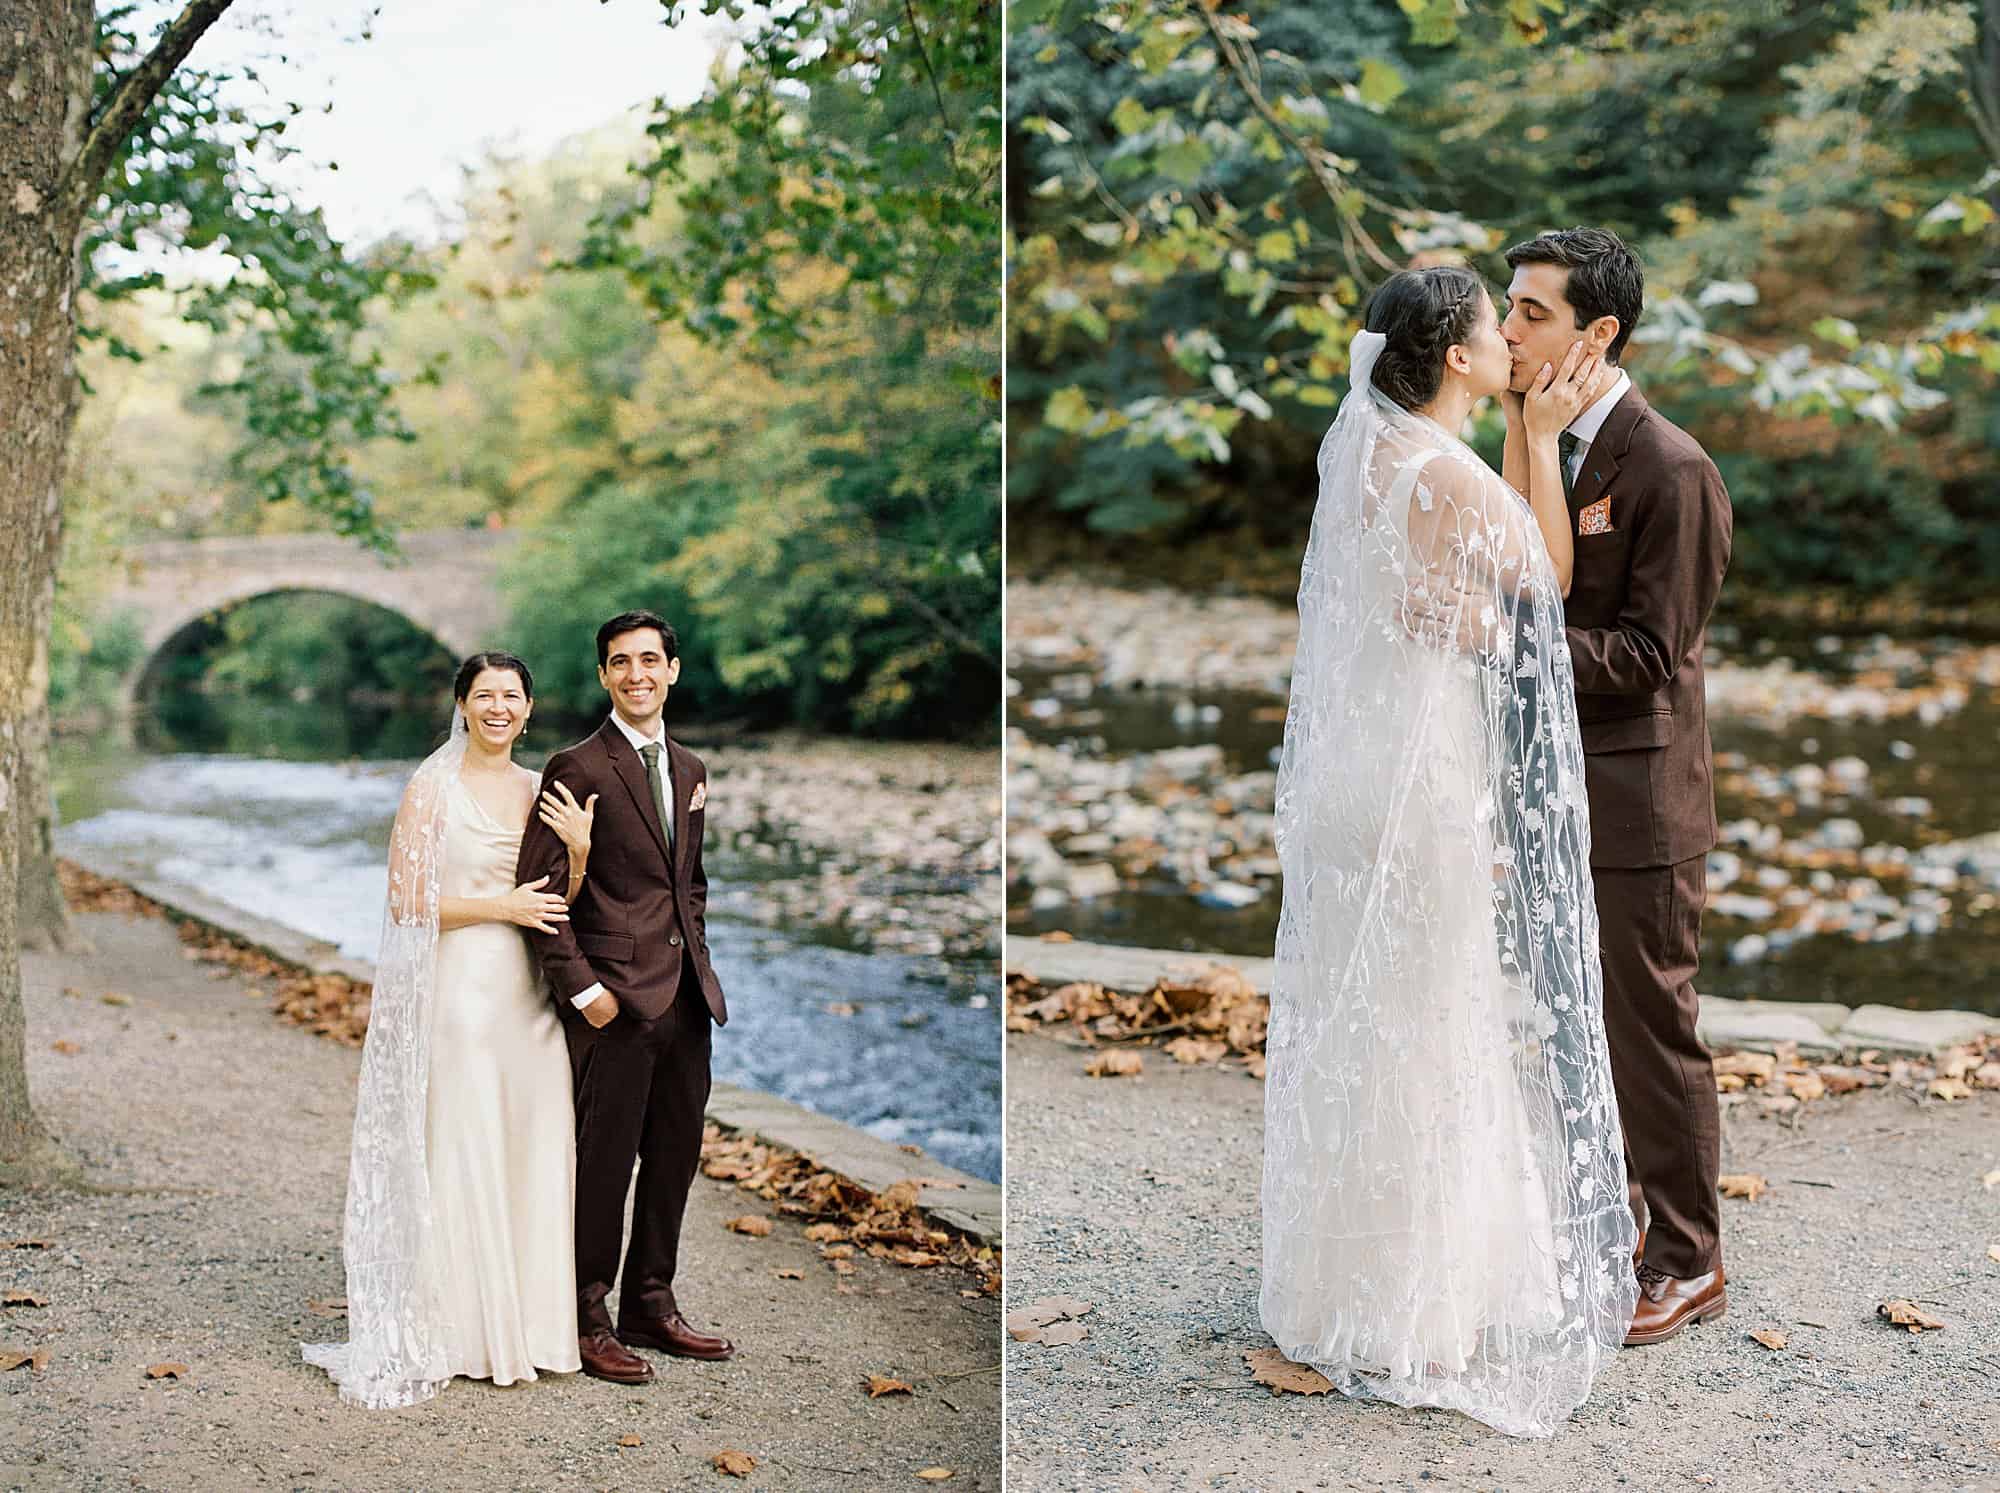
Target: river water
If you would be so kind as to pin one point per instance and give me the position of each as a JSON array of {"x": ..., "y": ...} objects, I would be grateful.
[
  {"x": 285, "y": 812},
  {"x": 1828, "y": 749}
]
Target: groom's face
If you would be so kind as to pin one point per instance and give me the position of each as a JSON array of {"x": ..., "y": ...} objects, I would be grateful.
[
  {"x": 637, "y": 674},
  {"x": 1541, "y": 324}
]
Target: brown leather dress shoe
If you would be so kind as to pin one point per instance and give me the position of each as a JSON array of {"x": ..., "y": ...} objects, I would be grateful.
[
  {"x": 1667, "y": 1304},
  {"x": 604, "y": 1357},
  {"x": 673, "y": 1334}
]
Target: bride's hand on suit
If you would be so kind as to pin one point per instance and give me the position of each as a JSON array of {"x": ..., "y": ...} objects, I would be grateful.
[
  {"x": 569, "y": 819},
  {"x": 1558, "y": 395},
  {"x": 529, "y": 907}
]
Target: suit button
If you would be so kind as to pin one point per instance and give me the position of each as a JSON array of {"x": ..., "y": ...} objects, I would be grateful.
[{"x": 674, "y": 939}]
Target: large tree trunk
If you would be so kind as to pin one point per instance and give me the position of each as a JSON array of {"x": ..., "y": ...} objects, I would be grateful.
[
  {"x": 45, "y": 52},
  {"x": 44, "y": 916}
]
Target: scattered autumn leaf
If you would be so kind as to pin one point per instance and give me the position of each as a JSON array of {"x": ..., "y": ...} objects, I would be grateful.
[
  {"x": 825, "y": 1233},
  {"x": 882, "y": 1384},
  {"x": 167, "y": 1371},
  {"x": 1805, "y": 1086},
  {"x": 1758, "y": 1066},
  {"x": 1271, "y": 1368},
  {"x": 1048, "y": 1309},
  {"x": 841, "y": 1267},
  {"x": 1191, "y": 1050},
  {"x": 65, "y": 1046},
  {"x": 935, "y": 1474},
  {"x": 36, "y": 1360},
  {"x": 631, "y": 1438},
  {"x": 1949, "y": 1089},
  {"x": 1770, "y": 1337},
  {"x": 837, "y": 1252},
  {"x": 750, "y": 1224},
  {"x": 1908, "y": 1314},
  {"x": 792, "y": 1273},
  {"x": 1114, "y": 1065},
  {"x": 111, "y": 998},
  {"x": 1990, "y": 1181},
  {"x": 1063, "y": 1334},
  {"x": 327, "y": 1308},
  {"x": 51, "y": 1244},
  {"x": 734, "y": 1462},
  {"x": 22, "y": 1298},
  {"x": 1993, "y": 1252},
  {"x": 1746, "y": 1185}
]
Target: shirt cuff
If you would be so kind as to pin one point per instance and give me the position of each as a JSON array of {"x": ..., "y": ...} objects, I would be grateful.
[{"x": 584, "y": 997}]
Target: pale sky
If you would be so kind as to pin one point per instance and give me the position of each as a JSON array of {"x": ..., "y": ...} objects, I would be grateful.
[{"x": 439, "y": 80}]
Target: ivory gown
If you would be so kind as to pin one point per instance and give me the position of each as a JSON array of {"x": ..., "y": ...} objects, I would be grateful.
[{"x": 500, "y": 1133}]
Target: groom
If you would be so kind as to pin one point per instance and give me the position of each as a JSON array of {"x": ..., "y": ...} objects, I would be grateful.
[
  {"x": 1652, "y": 525},
  {"x": 632, "y": 982}
]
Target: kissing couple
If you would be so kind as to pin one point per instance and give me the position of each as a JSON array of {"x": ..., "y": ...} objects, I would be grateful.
[
  {"x": 1491, "y": 1130},
  {"x": 540, "y": 1023}
]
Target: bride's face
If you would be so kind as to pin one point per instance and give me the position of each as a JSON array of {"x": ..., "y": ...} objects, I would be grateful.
[
  {"x": 496, "y": 708},
  {"x": 1483, "y": 361}
]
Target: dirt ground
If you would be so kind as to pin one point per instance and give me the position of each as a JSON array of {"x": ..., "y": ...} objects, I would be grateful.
[
  {"x": 1139, "y": 1196},
  {"x": 218, "y": 1137}
]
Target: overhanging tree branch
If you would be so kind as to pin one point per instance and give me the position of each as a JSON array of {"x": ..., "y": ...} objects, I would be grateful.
[{"x": 132, "y": 96}]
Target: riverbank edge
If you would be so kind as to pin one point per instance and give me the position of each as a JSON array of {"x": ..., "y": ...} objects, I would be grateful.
[
  {"x": 955, "y": 1200},
  {"x": 1757, "y": 1026}
]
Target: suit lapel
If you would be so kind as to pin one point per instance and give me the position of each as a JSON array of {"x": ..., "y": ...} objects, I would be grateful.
[
  {"x": 632, "y": 773},
  {"x": 1600, "y": 461},
  {"x": 683, "y": 786}
]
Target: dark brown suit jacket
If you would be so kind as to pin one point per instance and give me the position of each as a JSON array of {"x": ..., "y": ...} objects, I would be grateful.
[
  {"x": 642, "y": 912},
  {"x": 1637, "y": 615}
]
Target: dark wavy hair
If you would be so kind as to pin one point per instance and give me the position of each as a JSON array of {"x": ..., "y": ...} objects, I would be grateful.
[
  {"x": 1422, "y": 313},
  {"x": 626, "y": 622},
  {"x": 1605, "y": 277},
  {"x": 479, "y": 662}
]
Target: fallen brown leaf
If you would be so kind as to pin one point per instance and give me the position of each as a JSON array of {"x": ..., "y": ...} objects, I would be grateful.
[
  {"x": 882, "y": 1384},
  {"x": 1048, "y": 1309},
  {"x": 327, "y": 1308},
  {"x": 1908, "y": 1314},
  {"x": 1271, "y": 1368},
  {"x": 1114, "y": 1065},
  {"x": 1993, "y": 1252},
  {"x": 112, "y": 999},
  {"x": 841, "y": 1267},
  {"x": 22, "y": 1298},
  {"x": 734, "y": 1462},
  {"x": 1990, "y": 1181},
  {"x": 65, "y": 1047},
  {"x": 1746, "y": 1185},
  {"x": 792, "y": 1273},
  {"x": 935, "y": 1474},
  {"x": 36, "y": 1359},
  {"x": 837, "y": 1252},
  {"x": 1805, "y": 1086},
  {"x": 1770, "y": 1337},
  {"x": 631, "y": 1438},
  {"x": 1949, "y": 1089},
  {"x": 751, "y": 1224},
  {"x": 167, "y": 1371},
  {"x": 1063, "y": 1334},
  {"x": 825, "y": 1233},
  {"x": 51, "y": 1244},
  {"x": 1751, "y": 1066}
]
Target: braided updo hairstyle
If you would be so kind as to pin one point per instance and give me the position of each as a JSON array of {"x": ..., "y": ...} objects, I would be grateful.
[{"x": 1422, "y": 313}]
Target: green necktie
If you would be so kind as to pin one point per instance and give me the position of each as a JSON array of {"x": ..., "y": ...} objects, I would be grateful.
[
  {"x": 651, "y": 752},
  {"x": 1566, "y": 445}
]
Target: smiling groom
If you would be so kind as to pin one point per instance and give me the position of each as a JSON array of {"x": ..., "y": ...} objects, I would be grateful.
[{"x": 631, "y": 979}]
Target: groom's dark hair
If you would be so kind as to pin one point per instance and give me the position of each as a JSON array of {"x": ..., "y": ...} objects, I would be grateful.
[
  {"x": 626, "y": 622},
  {"x": 1605, "y": 277}
]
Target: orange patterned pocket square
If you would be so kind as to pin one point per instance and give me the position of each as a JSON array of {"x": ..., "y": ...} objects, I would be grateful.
[{"x": 1596, "y": 519}]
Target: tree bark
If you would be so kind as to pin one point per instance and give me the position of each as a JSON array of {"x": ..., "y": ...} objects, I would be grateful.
[
  {"x": 52, "y": 156},
  {"x": 44, "y": 915}
]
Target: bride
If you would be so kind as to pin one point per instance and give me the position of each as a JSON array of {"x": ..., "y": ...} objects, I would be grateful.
[
  {"x": 1445, "y": 1215},
  {"x": 460, "y": 1189}
]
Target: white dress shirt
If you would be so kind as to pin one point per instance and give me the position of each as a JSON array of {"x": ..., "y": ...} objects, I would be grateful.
[
  {"x": 584, "y": 997},
  {"x": 1588, "y": 422}
]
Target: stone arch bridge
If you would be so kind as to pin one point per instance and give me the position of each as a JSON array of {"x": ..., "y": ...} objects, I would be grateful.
[{"x": 446, "y": 583}]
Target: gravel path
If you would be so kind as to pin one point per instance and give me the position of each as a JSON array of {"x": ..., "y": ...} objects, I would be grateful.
[
  {"x": 225, "y": 1132},
  {"x": 1140, "y": 1197}
]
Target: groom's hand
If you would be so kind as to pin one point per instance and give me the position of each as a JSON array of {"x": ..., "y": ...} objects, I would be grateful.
[{"x": 600, "y": 1011}]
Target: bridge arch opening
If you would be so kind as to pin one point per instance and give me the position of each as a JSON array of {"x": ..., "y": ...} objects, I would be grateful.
[{"x": 295, "y": 672}]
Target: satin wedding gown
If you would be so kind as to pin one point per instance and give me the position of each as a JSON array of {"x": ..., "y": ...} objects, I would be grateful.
[{"x": 500, "y": 1134}]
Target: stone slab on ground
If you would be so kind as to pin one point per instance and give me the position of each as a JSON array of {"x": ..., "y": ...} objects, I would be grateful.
[
  {"x": 1139, "y": 1196},
  {"x": 1117, "y": 967},
  {"x": 1762, "y": 1026},
  {"x": 227, "y": 1130},
  {"x": 1895, "y": 1030}
]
